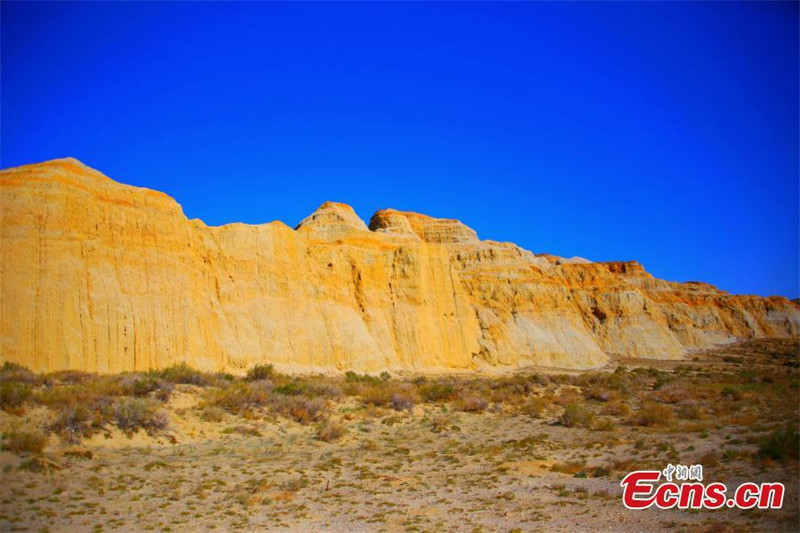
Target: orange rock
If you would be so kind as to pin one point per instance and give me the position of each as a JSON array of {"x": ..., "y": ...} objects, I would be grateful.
[{"x": 104, "y": 277}]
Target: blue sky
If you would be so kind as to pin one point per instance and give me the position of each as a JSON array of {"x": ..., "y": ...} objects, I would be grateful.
[{"x": 665, "y": 132}]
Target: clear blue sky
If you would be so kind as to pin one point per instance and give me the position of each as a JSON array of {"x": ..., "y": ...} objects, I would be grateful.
[{"x": 661, "y": 132}]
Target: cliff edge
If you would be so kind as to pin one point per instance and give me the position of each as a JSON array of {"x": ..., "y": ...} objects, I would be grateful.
[{"x": 104, "y": 277}]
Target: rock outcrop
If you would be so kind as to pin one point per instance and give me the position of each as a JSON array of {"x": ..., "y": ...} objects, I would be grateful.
[{"x": 104, "y": 277}]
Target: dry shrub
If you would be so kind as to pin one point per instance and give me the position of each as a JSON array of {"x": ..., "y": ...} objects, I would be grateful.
[
  {"x": 260, "y": 372},
  {"x": 76, "y": 420},
  {"x": 671, "y": 393},
  {"x": 440, "y": 423},
  {"x": 601, "y": 394},
  {"x": 616, "y": 408},
  {"x": 689, "y": 410},
  {"x": 299, "y": 409},
  {"x": 405, "y": 397},
  {"x": 69, "y": 377},
  {"x": 330, "y": 431},
  {"x": 18, "y": 373},
  {"x": 212, "y": 414},
  {"x": 184, "y": 374},
  {"x": 24, "y": 441},
  {"x": 369, "y": 446},
  {"x": 470, "y": 403},
  {"x": 710, "y": 458},
  {"x": 13, "y": 395},
  {"x": 535, "y": 406},
  {"x": 568, "y": 396},
  {"x": 131, "y": 414},
  {"x": 241, "y": 397},
  {"x": 437, "y": 392},
  {"x": 606, "y": 424},
  {"x": 142, "y": 385},
  {"x": 378, "y": 394},
  {"x": 653, "y": 414},
  {"x": 576, "y": 415},
  {"x": 571, "y": 467}
]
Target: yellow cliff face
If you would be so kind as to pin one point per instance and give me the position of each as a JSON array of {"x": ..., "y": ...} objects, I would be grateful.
[{"x": 104, "y": 277}]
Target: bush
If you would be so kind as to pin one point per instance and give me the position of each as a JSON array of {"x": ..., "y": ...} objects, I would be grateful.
[
  {"x": 437, "y": 392},
  {"x": 576, "y": 416},
  {"x": 212, "y": 414},
  {"x": 241, "y": 397},
  {"x": 15, "y": 372},
  {"x": 13, "y": 394},
  {"x": 8, "y": 366},
  {"x": 616, "y": 408},
  {"x": 600, "y": 394},
  {"x": 403, "y": 401},
  {"x": 24, "y": 441},
  {"x": 144, "y": 385},
  {"x": 535, "y": 407},
  {"x": 379, "y": 394},
  {"x": 330, "y": 431},
  {"x": 131, "y": 414},
  {"x": 689, "y": 411},
  {"x": 75, "y": 421},
  {"x": 183, "y": 374},
  {"x": 259, "y": 372},
  {"x": 653, "y": 414},
  {"x": 471, "y": 404},
  {"x": 293, "y": 388},
  {"x": 352, "y": 377},
  {"x": 299, "y": 409},
  {"x": 780, "y": 444},
  {"x": 731, "y": 393},
  {"x": 440, "y": 423}
]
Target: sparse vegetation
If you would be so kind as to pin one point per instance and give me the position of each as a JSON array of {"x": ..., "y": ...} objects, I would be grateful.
[
  {"x": 577, "y": 416},
  {"x": 24, "y": 441},
  {"x": 131, "y": 414},
  {"x": 384, "y": 434},
  {"x": 260, "y": 372},
  {"x": 330, "y": 431},
  {"x": 780, "y": 444}
]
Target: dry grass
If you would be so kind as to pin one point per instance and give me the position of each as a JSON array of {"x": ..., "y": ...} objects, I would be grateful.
[{"x": 24, "y": 441}]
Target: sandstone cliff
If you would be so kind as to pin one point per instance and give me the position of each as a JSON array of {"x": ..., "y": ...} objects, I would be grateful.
[{"x": 105, "y": 277}]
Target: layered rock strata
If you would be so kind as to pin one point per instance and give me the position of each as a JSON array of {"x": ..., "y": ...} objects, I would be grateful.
[{"x": 105, "y": 277}]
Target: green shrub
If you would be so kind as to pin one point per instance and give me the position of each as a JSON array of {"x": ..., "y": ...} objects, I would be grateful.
[
  {"x": 437, "y": 392},
  {"x": 292, "y": 388},
  {"x": 131, "y": 414},
  {"x": 576, "y": 416},
  {"x": 183, "y": 374},
  {"x": 75, "y": 421},
  {"x": 780, "y": 444},
  {"x": 241, "y": 397},
  {"x": 13, "y": 394},
  {"x": 535, "y": 406},
  {"x": 379, "y": 394},
  {"x": 24, "y": 441},
  {"x": 15, "y": 372},
  {"x": 731, "y": 393},
  {"x": 260, "y": 372},
  {"x": 352, "y": 377}
]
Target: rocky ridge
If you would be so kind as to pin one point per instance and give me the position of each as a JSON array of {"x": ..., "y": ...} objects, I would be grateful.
[{"x": 105, "y": 277}]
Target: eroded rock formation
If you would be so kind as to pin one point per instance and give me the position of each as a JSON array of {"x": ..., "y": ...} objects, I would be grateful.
[{"x": 101, "y": 276}]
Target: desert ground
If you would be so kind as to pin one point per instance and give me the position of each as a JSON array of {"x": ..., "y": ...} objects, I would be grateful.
[{"x": 181, "y": 450}]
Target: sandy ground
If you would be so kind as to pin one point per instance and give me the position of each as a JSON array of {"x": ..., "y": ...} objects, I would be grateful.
[{"x": 392, "y": 471}]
